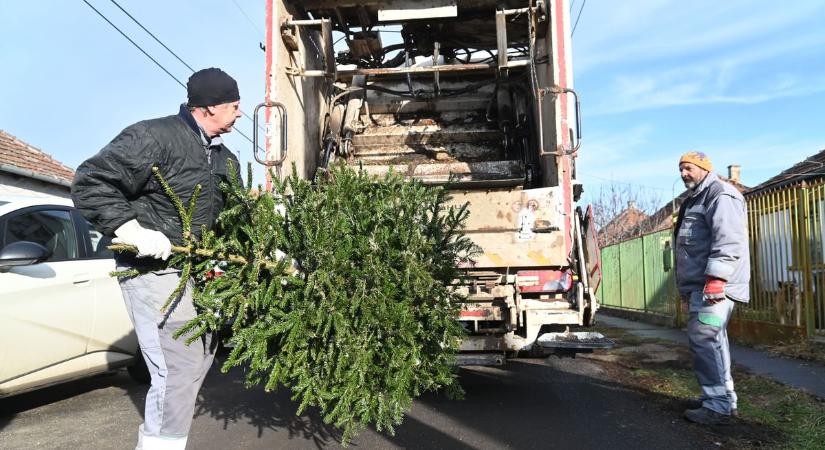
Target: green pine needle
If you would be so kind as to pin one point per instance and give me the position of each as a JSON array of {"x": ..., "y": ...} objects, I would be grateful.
[{"x": 368, "y": 324}]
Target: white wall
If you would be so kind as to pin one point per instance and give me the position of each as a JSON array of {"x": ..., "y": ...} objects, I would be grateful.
[
  {"x": 774, "y": 249},
  {"x": 11, "y": 184}
]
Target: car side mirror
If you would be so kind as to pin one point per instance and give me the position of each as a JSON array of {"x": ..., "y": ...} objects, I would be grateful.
[{"x": 22, "y": 253}]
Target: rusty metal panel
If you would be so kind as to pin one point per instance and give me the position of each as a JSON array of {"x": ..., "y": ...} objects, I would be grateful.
[
  {"x": 506, "y": 172},
  {"x": 505, "y": 209},
  {"x": 502, "y": 250},
  {"x": 515, "y": 227},
  {"x": 365, "y": 44},
  {"x": 426, "y": 134},
  {"x": 761, "y": 332},
  {"x": 591, "y": 250}
]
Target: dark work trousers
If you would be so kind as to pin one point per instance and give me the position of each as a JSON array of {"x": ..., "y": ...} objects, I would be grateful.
[{"x": 177, "y": 369}]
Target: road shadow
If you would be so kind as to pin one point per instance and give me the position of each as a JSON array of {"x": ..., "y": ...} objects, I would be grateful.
[
  {"x": 113, "y": 375},
  {"x": 224, "y": 398},
  {"x": 570, "y": 404},
  {"x": 118, "y": 379},
  {"x": 526, "y": 404},
  {"x": 551, "y": 403}
]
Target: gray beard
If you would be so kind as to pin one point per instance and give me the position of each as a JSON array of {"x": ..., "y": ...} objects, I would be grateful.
[{"x": 690, "y": 185}]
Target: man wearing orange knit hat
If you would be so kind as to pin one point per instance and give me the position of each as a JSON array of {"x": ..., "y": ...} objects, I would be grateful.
[{"x": 712, "y": 273}]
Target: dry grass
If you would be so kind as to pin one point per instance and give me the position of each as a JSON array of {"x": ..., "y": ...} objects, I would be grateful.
[
  {"x": 805, "y": 350},
  {"x": 771, "y": 415}
]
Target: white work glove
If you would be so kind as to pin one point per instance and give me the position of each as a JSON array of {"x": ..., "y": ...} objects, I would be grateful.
[
  {"x": 293, "y": 265},
  {"x": 148, "y": 242}
]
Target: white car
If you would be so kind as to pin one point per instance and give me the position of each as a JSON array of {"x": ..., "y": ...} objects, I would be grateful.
[{"x": 62, "y": 316}]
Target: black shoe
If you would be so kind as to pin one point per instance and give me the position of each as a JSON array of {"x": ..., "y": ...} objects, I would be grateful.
[
  {"x": 696, "y": 403},
  {"x": 706, "y": 416}
]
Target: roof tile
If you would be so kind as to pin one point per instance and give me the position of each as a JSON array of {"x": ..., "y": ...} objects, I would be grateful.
[{"x": 16, "y": 153}]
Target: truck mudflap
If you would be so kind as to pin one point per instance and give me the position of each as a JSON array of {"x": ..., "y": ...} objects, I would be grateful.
[{"x": 581, "y": 341}]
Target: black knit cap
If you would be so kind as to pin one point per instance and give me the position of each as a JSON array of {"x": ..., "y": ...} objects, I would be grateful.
[{"x": 210, "y": 87}]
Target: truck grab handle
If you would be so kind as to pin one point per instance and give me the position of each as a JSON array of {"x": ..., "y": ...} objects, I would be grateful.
[
  {"x": 282, "y": 110},
  {"x": 558, "y": 90}
]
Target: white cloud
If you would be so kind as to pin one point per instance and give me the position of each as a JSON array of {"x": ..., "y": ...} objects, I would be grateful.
[
  {"x": 635, "y": 57},
  {"x": 635, "y": 157},
  {"x": 753, "y": 75},
  {"x": 633, "y": 32},
  {"x": 762, "y": 156},
  {"x": 667, "y": 90},
  {"x": 604, "y": 148},
  {"x": 608, "y": 158}
]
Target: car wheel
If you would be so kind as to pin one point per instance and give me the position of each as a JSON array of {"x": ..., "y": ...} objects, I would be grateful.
[{"x": 138, "y": 371}]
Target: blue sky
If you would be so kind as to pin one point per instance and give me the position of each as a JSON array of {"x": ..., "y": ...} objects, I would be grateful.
[
  {"x": 743, "y": 81},
  {"x": 71, "y": 82}
]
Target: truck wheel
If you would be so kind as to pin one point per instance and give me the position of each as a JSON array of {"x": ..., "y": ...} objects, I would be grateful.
[{"x": 138, "y": 370}]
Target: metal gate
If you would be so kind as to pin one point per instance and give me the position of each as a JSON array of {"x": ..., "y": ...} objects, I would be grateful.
[
  {"x": 787, "y": 264},
  {"x": 638, "y": 275}
]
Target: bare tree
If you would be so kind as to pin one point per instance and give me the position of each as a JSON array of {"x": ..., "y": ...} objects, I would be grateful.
[{"x": 620, "y": 211}]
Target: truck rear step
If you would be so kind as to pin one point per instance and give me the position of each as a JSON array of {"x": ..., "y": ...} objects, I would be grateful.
[
  {"x": 583, "y": 340},
  {"x": 479, "y": 359}
]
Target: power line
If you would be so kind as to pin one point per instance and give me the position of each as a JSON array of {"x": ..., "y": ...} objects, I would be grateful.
[
  {"x": 153, "y": 36},
  {"x": 247, "y": 18},
  {"x": 134, "y": 43},
  {"x": 168, "y": 49},
  {"x": 572, "y": 5},
  {"x": 584, "y": 2},
  {"x": 150, "y": 56}
]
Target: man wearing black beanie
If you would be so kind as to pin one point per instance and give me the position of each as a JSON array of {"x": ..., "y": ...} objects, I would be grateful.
[{"x": 117, "y": 192}]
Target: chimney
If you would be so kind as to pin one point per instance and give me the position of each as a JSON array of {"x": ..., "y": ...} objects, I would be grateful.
[
  {"x": 631, "y": 204},
  {"x": 733, "y": 172}
]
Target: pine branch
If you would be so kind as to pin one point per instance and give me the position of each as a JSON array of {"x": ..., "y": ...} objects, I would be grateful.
[
  {"x": 205, "y": 253},
  {"x": 368, "y": 325}
]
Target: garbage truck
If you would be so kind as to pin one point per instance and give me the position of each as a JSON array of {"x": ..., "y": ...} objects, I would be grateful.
[{"x": 475, "y": 95}]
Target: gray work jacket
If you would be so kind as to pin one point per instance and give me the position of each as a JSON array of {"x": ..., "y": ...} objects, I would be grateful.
[{"x": 712, "y": 239}]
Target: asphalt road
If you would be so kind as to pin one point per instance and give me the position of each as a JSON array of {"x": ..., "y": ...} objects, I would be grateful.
[{"x": 542, "y": 404}]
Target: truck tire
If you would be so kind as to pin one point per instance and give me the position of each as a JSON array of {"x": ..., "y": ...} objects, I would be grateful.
[{"x": 138, "y": 370}]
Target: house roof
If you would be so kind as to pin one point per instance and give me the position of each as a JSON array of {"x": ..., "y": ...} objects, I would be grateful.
[
  {"x": 23, "y": 159},
  {"x": 810, "y": 167},
  {"x": 622, "y": 227}
]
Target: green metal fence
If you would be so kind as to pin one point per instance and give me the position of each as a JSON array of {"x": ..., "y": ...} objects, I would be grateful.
[
  {"x": 787, "y": 246},
  {"x": 637, "y": 274}
]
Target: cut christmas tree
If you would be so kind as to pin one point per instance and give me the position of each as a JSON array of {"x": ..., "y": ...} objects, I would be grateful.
[{"x": 368, "y": 320}]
